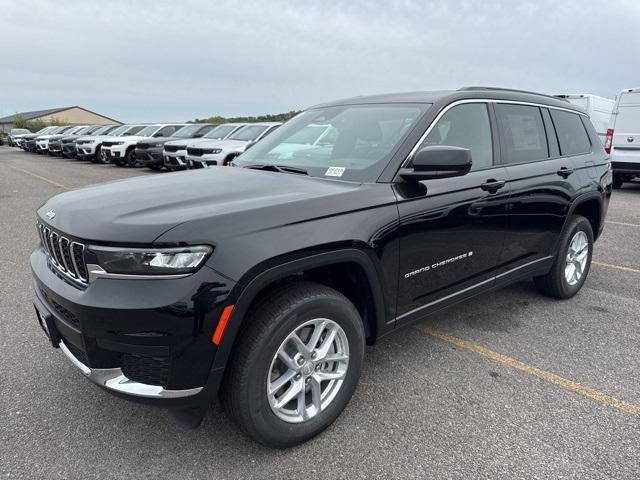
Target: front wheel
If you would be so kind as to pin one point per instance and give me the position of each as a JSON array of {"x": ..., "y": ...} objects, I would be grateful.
[
  {"x": 572, "y": 263},
  {"x": 296, "y": 364},
  {"x": 130, "y": 158}
]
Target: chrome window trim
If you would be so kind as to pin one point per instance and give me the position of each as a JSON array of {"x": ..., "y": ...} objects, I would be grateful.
[{"x": 477, "y": 100}]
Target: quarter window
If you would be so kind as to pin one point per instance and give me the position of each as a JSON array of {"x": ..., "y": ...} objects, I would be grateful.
[
  {"x": 523, "y": 136},
  {"x": 572, "y": 136},
  {"x": 465, "y": 126}
]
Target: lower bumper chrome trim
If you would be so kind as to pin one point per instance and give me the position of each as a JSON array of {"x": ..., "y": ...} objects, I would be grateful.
[{"x": 114, "y": 379}]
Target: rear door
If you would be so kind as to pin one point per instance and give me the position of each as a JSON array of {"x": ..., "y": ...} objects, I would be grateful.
[
  {"x": 625, "y": 152},
  {"x": 545, "y": 172},
  {"x": 452, "y": 229}
]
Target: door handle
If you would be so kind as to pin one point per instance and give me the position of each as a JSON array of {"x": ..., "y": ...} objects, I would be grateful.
[
  {"x": 564, "y": 172},
  {"x": 492, "y": 186}
]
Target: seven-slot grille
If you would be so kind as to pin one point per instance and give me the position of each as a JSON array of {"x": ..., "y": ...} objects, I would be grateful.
[
  {"x": 66, "y": 255},
  {"x": 174, "y": 148}
]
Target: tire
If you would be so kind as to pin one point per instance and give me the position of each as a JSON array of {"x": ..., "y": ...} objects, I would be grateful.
[
  {"x": 130, "y": 158},
  {"x": 617, "y": 182},
  {"x": 556, "y": 283},
  {"x": 269, "y": 325}
]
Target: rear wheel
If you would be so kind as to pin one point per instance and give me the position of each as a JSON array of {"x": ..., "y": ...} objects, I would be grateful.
[
  {"x": 296, "y": 364},
  {"x": 572, "y": 263}
]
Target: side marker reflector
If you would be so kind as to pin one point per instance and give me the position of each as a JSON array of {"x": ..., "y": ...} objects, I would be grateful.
[{"x": 222, "y": 324}]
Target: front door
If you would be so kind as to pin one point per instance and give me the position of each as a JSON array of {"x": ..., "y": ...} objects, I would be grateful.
[{"x": 452, "y": 230}]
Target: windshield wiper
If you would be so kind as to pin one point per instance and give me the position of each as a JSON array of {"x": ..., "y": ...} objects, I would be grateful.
[{"x": 278, "y": 168}]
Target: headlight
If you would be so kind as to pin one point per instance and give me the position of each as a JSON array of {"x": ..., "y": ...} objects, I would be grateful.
[
  {"x": 152, "y": 261},
  {"x": 157, "y": 145},
  {"x": 117, "y": 143},
  {"x": 89, "y": 141}
]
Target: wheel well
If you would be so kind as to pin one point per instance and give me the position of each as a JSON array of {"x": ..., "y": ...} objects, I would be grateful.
[
  {"x": 590, "y": 209},
  {"x": 229, "y": 158},
  {"x": 348, "y": 278}
]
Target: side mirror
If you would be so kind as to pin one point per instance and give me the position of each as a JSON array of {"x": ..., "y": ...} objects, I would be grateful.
[
  {"x": 437, "y": 161},
  {"x": 159, "y": 135},
  {"x": 198, "y": 135}
]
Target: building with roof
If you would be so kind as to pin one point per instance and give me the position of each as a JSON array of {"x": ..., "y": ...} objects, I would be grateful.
[{"x": 74, "y": 115}]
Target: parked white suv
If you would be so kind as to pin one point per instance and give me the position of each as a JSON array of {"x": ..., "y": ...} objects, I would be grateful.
[
  {"x": 122, "y": 151},
  {"x": 175, "y": 151},
  {"x": 89, "y": 147},
  {"x": 203, "y": 154},
  {"x": 623, "y": 137},
  {"x": 15, "y": 136},
  {"x": 42, "y": 141}
]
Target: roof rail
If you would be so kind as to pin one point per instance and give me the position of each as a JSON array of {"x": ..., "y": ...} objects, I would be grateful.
[{"x": 499, "y": 89}]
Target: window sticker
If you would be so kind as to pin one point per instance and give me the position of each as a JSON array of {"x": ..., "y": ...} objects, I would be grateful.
[{"x": 334, "y": 171}]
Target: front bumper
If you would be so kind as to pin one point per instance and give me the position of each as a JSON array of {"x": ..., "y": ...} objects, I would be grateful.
[
  {"x": 153, "y": 346},
  {"x": 55, "y": 148},
  {"x": 42, "y": 147},
  {"x": 204, "y": 161},
  {"x": 149, "y": 156},
  {"x": 69, "y": 149},
  {"x": 176, "y": 160}
]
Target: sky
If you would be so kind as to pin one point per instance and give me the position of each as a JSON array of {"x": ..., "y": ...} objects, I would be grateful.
[{"x": 155, "y": 61}]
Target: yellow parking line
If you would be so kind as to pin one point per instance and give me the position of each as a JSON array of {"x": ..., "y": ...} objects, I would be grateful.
[
  {"x": 59, "y": 185},
  {"x": 623, "y": 223},
  {"x": 565, "y": 383},
  {"x": 617, "y": 267}
]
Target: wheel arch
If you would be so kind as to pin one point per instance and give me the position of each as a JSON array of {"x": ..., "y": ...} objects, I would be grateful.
[
  {"x": 589, "y": 206},
  {"x": 311, "y": 264}
]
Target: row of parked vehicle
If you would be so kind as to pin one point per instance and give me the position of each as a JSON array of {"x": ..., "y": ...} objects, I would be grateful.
[{"x": 175, "y": 146}]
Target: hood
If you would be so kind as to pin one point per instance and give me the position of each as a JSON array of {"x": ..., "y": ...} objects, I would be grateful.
[
  {"x": 161, "y": 140},
  {"x": 139, "y": 210},
  {"x": 132, "y": 138},
  {"x": 224, "y": 144}
]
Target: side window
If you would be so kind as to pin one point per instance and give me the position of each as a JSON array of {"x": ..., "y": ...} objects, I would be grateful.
[
  {"x": 523, "y": 137},
  {"x": 572, "y": 136},
  {"x": 466, "y": 126},
  {"x": 165, "y": 131}
]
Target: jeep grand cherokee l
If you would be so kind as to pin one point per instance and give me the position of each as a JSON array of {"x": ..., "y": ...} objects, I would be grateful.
[
  {"x": 90, "y": 147},
  {"x": 204, "y": 154},
  {"x": 175, "y": 151},
  {"x": 122, "y": 151},
  {"x": 263, "y": 282},
  {"x": 148, "y": 153}
]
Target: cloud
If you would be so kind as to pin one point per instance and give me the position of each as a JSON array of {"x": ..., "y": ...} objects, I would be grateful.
[{"x": 168, "y": 60}]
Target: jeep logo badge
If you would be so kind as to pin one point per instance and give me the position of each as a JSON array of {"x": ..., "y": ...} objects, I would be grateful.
[{"x": 50, "y": 214}]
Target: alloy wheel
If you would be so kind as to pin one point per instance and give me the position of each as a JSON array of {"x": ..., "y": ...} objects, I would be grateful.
[
  {"x": 308, "y": 370},
  {"x": 576, "y": 258}
]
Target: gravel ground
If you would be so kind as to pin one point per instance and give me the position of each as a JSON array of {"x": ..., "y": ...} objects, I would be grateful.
[{"x": 426, "y": 407}]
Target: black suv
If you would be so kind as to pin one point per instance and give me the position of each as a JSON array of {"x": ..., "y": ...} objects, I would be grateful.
[{"x": 261, "y": 282}]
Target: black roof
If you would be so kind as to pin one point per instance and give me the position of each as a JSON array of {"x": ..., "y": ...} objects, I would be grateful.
[{"x": 448, "y": 96}]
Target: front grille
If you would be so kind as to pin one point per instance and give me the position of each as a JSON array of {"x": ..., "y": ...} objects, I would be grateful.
[
  {"x": 108, "y": 144},
  {"x": 196, "y": 152},
  {"x": 66, "y": 256},
  {"x": 146, "y": 369},
  {"x": 174, "y": 148}
]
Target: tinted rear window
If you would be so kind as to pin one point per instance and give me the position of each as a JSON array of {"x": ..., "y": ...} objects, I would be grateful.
[
  {"x": 572, "y": 136},
  {"x": 523, "y": 134}
]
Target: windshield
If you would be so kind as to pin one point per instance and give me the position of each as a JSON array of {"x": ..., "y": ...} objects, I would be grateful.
[
  {"x": 131, "y": 130},
  {"x": 248, "y": 133},
  {"x": 148, "y": 130},
  {"x": 187, "y": 132},
  {"x": 221, "y": 131},
  {"x": 352, "y": 142}
]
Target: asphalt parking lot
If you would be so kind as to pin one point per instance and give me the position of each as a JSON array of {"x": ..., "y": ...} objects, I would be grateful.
[{"x": 510, "y": 385}]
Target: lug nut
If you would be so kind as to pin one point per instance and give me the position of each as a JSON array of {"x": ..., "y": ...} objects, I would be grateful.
[
  {"x": 313, "y": 354},
  {"x": 300, "y": 361}
]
